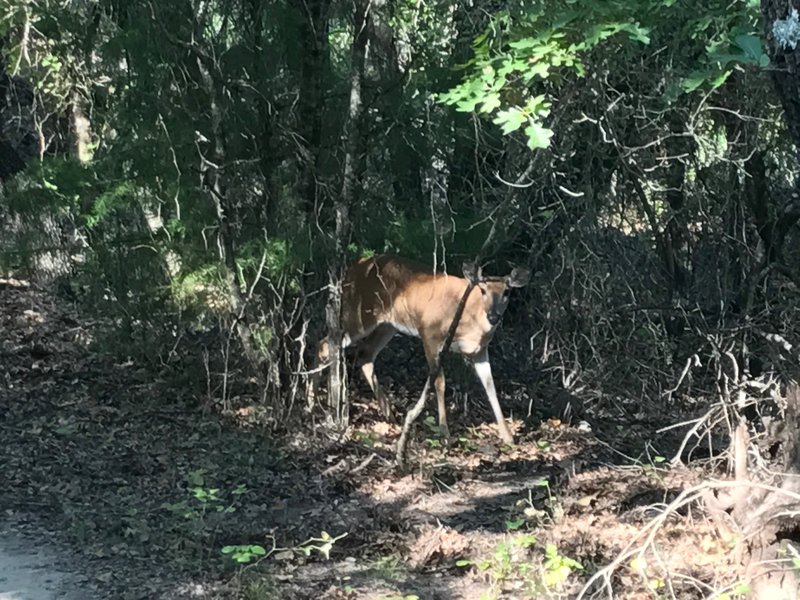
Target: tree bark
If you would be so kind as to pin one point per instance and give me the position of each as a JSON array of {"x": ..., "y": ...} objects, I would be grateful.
[
  {"x": 314, "y": 49},
  {"x": 81, "y": 129},
  {"x": 785, "y": 72},
  {"x": 213, "y": 179},
  {"x": 11, "y": 160},
  {"x": 353, "y": 166}
]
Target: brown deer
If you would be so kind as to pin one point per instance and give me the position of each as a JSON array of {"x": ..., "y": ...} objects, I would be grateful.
[{"x": 385, "y": 295}]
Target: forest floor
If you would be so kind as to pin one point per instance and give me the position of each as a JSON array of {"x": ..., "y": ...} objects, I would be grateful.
[{"x": 137, "y": 480}]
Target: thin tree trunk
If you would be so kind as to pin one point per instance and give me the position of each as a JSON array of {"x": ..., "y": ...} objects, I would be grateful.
[
  {"x": 314, "y": 48},
  {"x": 213, "y": 178},
  {"x": 353, "y": 163}
]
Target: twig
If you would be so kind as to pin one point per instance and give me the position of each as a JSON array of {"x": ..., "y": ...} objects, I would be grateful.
[{"x": 652, "y": 527}]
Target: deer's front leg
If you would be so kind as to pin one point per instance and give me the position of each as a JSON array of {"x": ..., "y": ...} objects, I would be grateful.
[{"x": 484, "y": 371}]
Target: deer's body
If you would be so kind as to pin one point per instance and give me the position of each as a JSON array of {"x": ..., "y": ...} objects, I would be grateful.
[{"x": 384, "y": 295}]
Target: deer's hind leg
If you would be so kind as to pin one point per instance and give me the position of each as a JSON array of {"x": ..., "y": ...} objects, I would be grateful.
[
  {"x": 368, "y": 350},
  {"x": 431, "y": 354}
]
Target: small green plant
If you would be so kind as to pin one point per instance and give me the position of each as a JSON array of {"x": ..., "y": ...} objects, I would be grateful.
[
  {"x": 652, "y": 468},
  {"x": 244, "y": 553},
  {"x": 558, "y": 568},
  {"x": 640, "y": 566},
  {"x": 507, "y": 561},
  {"x": 435, "y": 429},
  {"x": 466, "y": 444},
  {"x": 514, "y": 562},
  {"x": 204, "y": 500},
  {"x": 323, "y": 544}
]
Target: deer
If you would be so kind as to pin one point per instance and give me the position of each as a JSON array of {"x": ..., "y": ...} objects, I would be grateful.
[{"x": 385, "y": 295}]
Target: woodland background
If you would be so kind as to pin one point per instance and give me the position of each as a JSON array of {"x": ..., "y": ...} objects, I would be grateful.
[{"x": 190, "y": 176}]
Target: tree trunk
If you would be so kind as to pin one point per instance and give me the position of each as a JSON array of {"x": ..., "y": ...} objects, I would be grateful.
[
  {"x": 353, "y": 166},
  {"x": 785, "y": 71},
  {"x": 676, "y": 235},
  {"x": 11, "y": 160},
  {"x": 213, "y": 178},
  {"x": 314, "y": 48},
  {"x": 81, "y": 129}
]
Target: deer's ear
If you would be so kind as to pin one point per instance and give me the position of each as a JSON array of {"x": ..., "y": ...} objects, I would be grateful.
[
  {"x": 519, "y": 277},
  {"x": 471, "y": 272}
]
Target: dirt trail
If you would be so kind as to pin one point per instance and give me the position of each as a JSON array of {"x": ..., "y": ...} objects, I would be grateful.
[{"x": 29, "y": 571}]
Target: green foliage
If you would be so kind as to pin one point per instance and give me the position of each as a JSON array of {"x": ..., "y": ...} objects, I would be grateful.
[
  {"x": 200, "y": 287},
  {"x": 203, "y": 500},
  {"x": 558, "y": 568},
  {"x": 520, "y": 52},
  {"x": 244, "y": 553},
  {"x": 740, "y": 590},
  {"x": 433, "y": 426},
  {"x": 525, "y": 54},
  {"x": 53, "y": 186},
  {"x": 513, "y": 562},
  {"x": 118, "y": 195},
  {"x": 271, "y": 258}
]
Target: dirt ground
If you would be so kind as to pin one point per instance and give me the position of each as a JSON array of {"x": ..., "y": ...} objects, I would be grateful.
[
  {"x": 33, "y": 568},
  {"x": 137, "y": 483}
]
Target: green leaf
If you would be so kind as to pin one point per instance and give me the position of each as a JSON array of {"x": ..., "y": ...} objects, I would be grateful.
[
  {"x": 541, "y": 70},
  {"x": 538, "y": 136},
  {"x": 527, "y": 42},
  {"x": 637, "y": 33},
  {"x": 694, "y": 81},
  {"x": 467, "y": 105},
  {"x": 490, "y": 103},
  {"x": 720, "y": 79},
  {"x": 750, "y": 45},
  {"x": 510, "y": 120}
]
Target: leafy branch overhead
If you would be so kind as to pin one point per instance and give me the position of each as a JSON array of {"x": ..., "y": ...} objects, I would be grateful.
[{"x": 524, "y": 56}]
